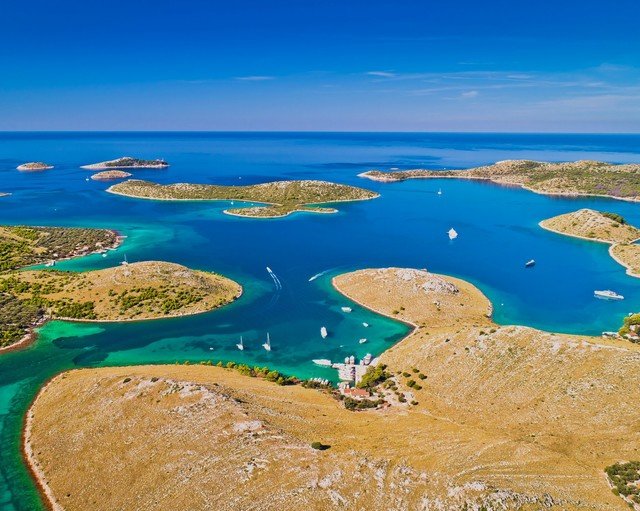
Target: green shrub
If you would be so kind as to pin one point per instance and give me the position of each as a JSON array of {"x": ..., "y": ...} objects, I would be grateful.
[{"x": 320, "y": 446}]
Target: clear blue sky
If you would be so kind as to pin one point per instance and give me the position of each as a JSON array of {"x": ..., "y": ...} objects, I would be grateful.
[{"x": 342, "y": 65}]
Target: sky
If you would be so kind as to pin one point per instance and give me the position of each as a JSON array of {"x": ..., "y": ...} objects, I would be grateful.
[{"x": 321, "y": 65}]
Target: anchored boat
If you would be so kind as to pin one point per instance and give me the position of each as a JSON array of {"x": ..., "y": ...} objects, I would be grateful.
[
  {"x": 608, "y": 295},
  {"x": 323, "y": 332},
  {"x": 267, "y": 345}
]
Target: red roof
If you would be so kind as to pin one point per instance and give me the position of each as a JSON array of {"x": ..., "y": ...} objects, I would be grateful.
[{"x": 356, "y": 393}]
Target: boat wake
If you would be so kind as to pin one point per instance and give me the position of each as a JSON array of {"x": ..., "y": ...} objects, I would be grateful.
[
  {"x": 275, "y": 278},
  {"x": 318, "y": 275}
]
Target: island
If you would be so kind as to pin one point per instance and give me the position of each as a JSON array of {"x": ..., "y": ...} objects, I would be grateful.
[
  {"x": 477, "y": 416},
  {"x": 129, "y": 292},
  {"x": 110, "y": 175},
  {"x": 603, "y": 227},
  {"x": 277, "y": 198},
  {"x": 128, "y": 162},
  {"x": 34, "y": 166},
  {"x": 580, "y": 178}
]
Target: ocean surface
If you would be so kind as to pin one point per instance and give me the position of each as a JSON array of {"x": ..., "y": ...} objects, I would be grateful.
[{"x": 498, "y": 231}]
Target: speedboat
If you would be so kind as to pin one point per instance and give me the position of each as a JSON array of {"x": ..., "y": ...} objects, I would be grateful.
[
  {"x": 365, "y": 325},
  {"x": 608, "y": 295},
  {"x": 323, "y": 332},
  {"x": 346, "y": 309},
  {"x": 362, "y": 341},
  {"x": 530, "y": 263},
  {"x": 240, "y": 345}
]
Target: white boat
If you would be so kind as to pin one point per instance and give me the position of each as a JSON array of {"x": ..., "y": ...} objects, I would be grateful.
[
  {"x": 104, "y": 255},
  {"x": 322, "y": 362},
  {"x": 366, "y": 325},
  {"x": 530, "y": 263},
  {"x": 267, "y": 345},
  {"x": 608, "y": 295},
  {"x": 124, "y": 261},
  {"x": 367, "y": 359},
  {"x": 439, "y": 191},
  {"x": 240, "y": 345},
  {"x": 452, "y": 234},
  {"x": 346, "y": 309},
  {"x": 50, "y": 263},
  {"x": 362, "y": 341},
  {"x": 323, "y": 332}
]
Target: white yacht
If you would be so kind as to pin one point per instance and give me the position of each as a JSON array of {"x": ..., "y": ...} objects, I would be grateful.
[
  {"x": 366, "y": 325},
  {"x": 267, "y": 345},
  {"x": 346, "y": 309},
  {"x": 530, "y": 264},
  {"x": 452, "y": 234},
  {"x": 362, "y": 341},
  {"x": 608, "y": 295},
  {"x": 322, "y": 362},
  {"x": 323, "y": 332},
  {"x": 240, "y": 345}
]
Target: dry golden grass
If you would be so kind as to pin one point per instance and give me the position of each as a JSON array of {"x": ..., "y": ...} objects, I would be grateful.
[
  {"x": 508, "y": 418},
  {"x": 628, "y": 256},
  {"x": 191, "y": 291},
  {"x": 591, "y": 225}
]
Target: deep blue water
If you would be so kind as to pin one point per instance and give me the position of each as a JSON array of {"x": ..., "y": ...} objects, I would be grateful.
[{"x": 406, "y": 226}]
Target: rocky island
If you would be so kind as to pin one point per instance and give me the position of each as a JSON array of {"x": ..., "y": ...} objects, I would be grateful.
[
  {"x": 110, "y": 175},
  {"x": 603, "y": 227},
  {"x": 277, "y": 199},
  {"x": 484, "y": 416},
  {"x": 34, "y": 166},
  {"x": 127, "y": 162},
  {"x": 591, "y": 178}
]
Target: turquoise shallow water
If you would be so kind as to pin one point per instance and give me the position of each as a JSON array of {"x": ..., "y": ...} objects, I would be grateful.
[{"x": 406, "y": 226}]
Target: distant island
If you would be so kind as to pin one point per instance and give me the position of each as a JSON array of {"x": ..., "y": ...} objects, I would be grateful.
[
  {"x": 127, "y": 162},
  {"x": 497, "y": 400},
  {"x": 137, "y": 291},
  {"x": 110, "y": 175},
  {"x": 277, "y": 199},
  {"x": 592, "y": 178},
  {"x": 604, "y": 227},
  {"x": 34, "y": 166}
]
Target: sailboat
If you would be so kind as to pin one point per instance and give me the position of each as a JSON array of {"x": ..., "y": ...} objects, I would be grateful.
[
  {"x": 240, "y": 345},
  {"x": 452, "y": 234},
  {"x": 323, "y": 332},
  {"x": 267, "y": 345}
]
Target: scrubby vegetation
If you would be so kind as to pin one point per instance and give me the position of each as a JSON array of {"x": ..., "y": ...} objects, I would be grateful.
[
  {"x": 624, "y": 478},
  {"x": 320, "y": 446},
  {"x": 23, "y": 246},
  {"x": 280, "y": 197},
  {"x": 570, "y": 178},
  {"x": 615, "y": 217},
  {"x": 629, "y": 323},
  {"x": 16, "y": 318}
]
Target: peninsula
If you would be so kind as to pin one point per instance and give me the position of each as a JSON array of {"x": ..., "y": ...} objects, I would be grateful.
[
  {"x": 604, "y": 227},
  {"x": 138, "y": 291},
  {"x": 585, "y": 177},
  {"x": 24, "y": 246},
  {"x": 110, "y": 175},
  {"x": 127, "y": 162},
  {"x": 494, "y": 417},
  {"x": 34, "y": 166},
  {"x": 277, "y": 199}
]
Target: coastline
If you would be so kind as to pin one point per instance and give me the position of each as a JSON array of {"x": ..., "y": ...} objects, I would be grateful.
[
  {"x": 37, "y": 475},
  {"x": 611, "y": 244},
  {"x": 500, "y": 183}
]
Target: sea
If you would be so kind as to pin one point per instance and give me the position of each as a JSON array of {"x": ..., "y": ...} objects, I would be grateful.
[{"x": 405, "y": 227}]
